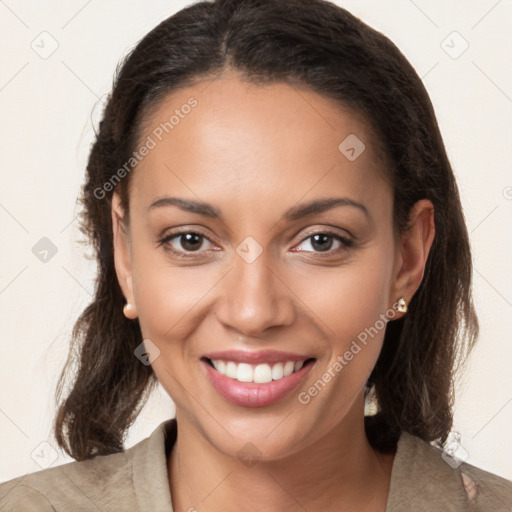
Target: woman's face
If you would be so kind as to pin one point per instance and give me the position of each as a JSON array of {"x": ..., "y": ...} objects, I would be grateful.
[{"x": 267, "y": 280}]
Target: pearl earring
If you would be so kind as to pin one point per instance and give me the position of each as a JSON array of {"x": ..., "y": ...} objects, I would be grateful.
[
  {"x": 129, "y": 311},
  {"x": 402, "y": 305}
]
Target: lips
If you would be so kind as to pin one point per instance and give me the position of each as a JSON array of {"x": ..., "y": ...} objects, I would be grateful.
[{"x": 255, "y": 379}]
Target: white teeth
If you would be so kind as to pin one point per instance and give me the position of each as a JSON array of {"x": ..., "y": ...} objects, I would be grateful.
[
  {"x": 277, "y": 371},
  {"x": 231, "y": 370},
  {"x": 288, "y": 368},
  {"x": 245, "y": 373},
  {"x": 260, "y": 373}
]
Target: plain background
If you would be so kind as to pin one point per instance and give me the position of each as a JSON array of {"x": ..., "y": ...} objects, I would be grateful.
[{"x": 48, "y": 104}]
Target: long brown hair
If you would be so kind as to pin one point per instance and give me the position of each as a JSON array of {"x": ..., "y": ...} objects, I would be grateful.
[{"x": 316, "y": 44}]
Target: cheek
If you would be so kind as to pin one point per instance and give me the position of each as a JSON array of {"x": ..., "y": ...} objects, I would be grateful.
[
  {"x": 351, "y": 304},
  {"x": 167, "y": 297},
  {"x": 166, "y": 302},
  {"x": 349, "y": 299},
  {"x": 352, "y": 307}
]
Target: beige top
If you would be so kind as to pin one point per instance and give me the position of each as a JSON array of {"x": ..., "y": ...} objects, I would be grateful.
[{"x": 137, "y": 480}]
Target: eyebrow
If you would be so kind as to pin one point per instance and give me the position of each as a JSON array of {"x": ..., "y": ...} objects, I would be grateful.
[{"x": 294, "y": 213}]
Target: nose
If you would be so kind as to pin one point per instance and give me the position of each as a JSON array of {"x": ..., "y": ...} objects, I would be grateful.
[{"x": 254, "y": 297}]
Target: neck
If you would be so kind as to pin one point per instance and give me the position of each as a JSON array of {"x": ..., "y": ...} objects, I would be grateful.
[{"x": 340, "y": 471}]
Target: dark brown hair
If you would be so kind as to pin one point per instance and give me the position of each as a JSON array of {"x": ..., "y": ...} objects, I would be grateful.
[{"x": 309, "y": 43}]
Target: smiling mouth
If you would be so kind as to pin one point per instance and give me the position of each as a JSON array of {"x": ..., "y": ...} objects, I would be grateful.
[{"x": 257, "y": 373}]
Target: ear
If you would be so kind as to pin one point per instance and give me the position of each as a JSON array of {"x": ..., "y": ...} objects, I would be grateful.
[
  {"x": 413, "y": 250},
  {"x": 122, "y": 251}
]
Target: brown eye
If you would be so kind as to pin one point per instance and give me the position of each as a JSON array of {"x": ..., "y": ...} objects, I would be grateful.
[
  {"x": 323, "y": 241},
  {"x": 190, "y": 241},
  {"x": 182, "y": 244}
]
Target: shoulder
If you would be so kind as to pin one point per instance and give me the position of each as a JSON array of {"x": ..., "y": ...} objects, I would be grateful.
[
  {"x": 486, "y": 490},
  {"x": 425, "y": 478},
  {"x": 73, "y": 483},
  {"x": 106, "y": 482}
]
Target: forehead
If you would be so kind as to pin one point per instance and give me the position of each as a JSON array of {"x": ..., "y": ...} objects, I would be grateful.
[{"x": 227, "y": 138}]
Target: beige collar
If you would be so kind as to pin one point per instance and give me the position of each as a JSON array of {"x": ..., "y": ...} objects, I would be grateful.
[{"x": 421, "y": 479}]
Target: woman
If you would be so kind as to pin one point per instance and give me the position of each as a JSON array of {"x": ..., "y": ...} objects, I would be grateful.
[{"x": 281, "y": 245}]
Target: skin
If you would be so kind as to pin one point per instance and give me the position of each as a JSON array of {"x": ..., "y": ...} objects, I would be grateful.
[{"x": 254, "y": 152}]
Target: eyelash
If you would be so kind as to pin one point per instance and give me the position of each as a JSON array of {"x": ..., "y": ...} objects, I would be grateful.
[{"x": 346, "y": 243}]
